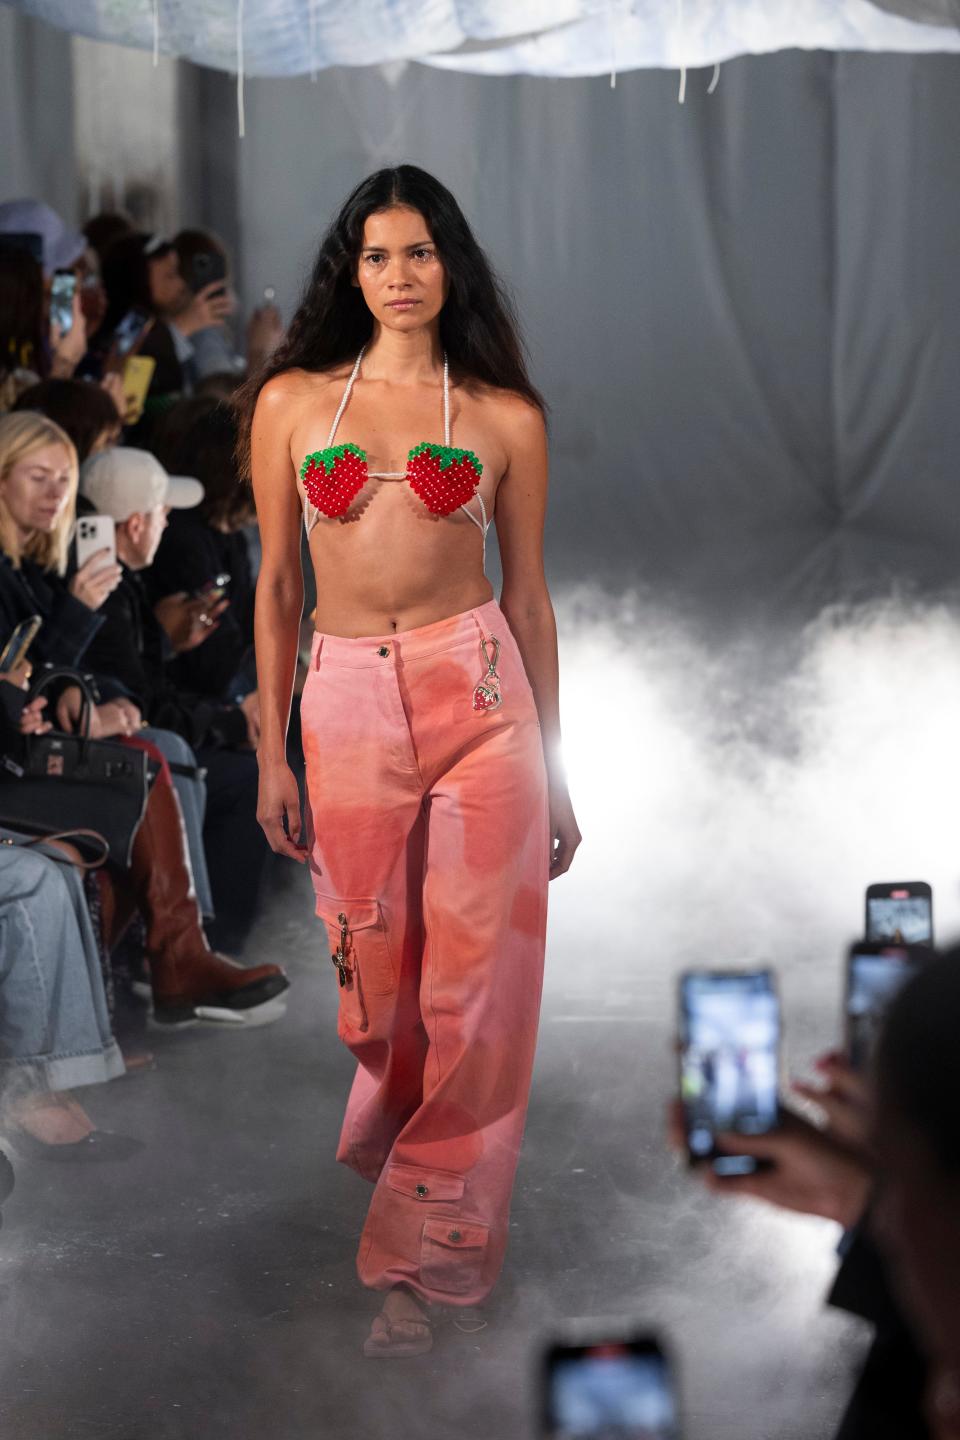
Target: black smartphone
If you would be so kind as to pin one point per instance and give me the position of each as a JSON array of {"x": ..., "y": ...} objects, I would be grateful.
[
  {"x": 63, "y": 287},
  {"x": 901, "y": 913},
  {"x": 875, "y": 972},
  {"x": 608, "y": 1385},
  {"x": 21, "y": 638},
  {"x": 729, "y": 1061},
  {"x": 130, "y": 333},
  {"x": 204, "y": 268},
  {"x": 212, "y": 589}
]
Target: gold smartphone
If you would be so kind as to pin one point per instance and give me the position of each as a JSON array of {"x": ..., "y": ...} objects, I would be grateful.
[{"x": 137, "y": 375}]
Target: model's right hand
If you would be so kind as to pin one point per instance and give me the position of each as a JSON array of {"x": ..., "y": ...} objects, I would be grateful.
[{"x": 278, "y": 798}]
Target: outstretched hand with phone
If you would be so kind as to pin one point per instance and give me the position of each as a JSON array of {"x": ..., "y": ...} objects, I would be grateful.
[
  {"x": 96, "y": 578},
  {"x": 807, "y": 1169},
  {"x": 189, "y": 619},
  {"x": 210, "y": 306},
  {"x": 68, "y": 348}
]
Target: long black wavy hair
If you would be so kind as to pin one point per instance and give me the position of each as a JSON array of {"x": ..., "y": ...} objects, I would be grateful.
[{"x": 478, "y": 323}]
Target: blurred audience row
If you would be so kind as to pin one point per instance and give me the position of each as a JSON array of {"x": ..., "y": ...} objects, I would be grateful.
[{"x": 128, "y": 555}]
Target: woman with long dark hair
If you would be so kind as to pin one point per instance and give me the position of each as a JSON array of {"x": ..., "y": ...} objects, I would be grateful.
[{"x": 436, "y": 804}]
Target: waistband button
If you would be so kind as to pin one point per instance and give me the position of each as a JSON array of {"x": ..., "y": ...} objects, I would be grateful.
[{"x": 384, "y": 651}]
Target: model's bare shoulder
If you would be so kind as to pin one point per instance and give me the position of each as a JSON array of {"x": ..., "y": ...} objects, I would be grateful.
[{"x": 512, "y": 413}]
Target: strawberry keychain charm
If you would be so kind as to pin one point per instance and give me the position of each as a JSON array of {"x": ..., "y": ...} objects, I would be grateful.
[{"x": 486, "y": 695}]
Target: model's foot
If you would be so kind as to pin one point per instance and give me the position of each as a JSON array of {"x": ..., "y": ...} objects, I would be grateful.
[{"x": 401, "y": 1329}]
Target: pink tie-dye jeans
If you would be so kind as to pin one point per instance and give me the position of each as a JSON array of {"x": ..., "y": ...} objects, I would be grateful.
[{"x": 429, "y": 838}]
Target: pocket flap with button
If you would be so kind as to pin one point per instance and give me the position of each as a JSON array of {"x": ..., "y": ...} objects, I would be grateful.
[
  {"x": 458, "y": 1234},
  {"x": 453, "y": 1255},
  {"x": 421, "y": 1184}
]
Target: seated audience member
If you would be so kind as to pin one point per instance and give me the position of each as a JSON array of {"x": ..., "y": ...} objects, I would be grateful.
[
  {"x": 214, "y": 350},
  {"x": 185, "y": 974},
  {"x": 142, "y": 272},
  {"x": 916, "y": 1139},
  {"x": 102, "y": 229},
  {"x": 133, "y": 648},
  {"x": 87, "y": 414},
  {"x": 38, "y": 483},
  {"x": 30, "y": 348},
  {"x": 198, "y": 437},
  {"x": 61, "y": 246}
]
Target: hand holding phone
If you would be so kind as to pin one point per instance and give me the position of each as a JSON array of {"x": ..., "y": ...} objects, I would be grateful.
[
  {"x": 63, "y": 287},
  {"x": 729, "y": 1062},
  {"x": 875, "y": 973}
]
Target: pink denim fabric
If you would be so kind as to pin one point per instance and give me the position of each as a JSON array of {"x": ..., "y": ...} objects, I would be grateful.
[{"x": 428, "y": 829}]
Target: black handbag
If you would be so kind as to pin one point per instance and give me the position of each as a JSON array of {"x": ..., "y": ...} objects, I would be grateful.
[{"x": 69, "y": 782}]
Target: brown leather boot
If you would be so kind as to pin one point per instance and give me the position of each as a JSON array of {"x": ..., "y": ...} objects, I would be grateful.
[{"x": 184, "y": 972}]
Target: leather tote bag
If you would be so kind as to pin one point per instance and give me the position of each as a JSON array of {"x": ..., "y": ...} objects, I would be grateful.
[{"x": 61, "y": 782}]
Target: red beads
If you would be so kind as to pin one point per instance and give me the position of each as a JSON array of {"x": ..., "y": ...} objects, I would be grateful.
[
  {"x": 443, "y": 477},
  {"x": 333, "y": 478}
]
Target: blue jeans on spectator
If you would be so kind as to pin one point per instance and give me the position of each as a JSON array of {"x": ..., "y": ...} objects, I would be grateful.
[{"x": 54, "y": 1026}]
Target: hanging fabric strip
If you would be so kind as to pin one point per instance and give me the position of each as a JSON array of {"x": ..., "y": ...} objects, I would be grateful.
[
  {"x": 683, "y": 68},
  {"x": 156, "y": 32},
  {"x": 312, "y": 14},
  {"x": 241, "y": 120},
  {"x": 716, "y": 79}
]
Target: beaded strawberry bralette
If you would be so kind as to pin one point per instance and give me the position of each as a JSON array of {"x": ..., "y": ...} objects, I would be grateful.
[{"x": 443, "y": 477}]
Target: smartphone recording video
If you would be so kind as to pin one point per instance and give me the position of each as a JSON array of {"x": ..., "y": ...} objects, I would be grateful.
[
  {"x": 611, "y": 1387},
  {"x": 875, "y": 973},
  {"x": 130, "y": 332},
  {"x": 204, "y": 268},
  {"x": 62, "y": 290},
  {"x": 729, "y": 1061},
  {"x": 900, "y": 914}
]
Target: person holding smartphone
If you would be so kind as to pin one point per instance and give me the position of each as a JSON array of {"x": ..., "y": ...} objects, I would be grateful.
[
  {"x": 437, "y": 809},
  {"x": 142, "y": 276}
]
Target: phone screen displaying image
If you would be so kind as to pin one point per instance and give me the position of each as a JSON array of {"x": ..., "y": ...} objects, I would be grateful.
[
  {"x": 729, "y": 1061},
  {"x": 128, "y": 332},
  {"x": 903, "y": 916},
  {"x": 62, "y": 290},
  {"x": 874, "y": 975},
  {"x": 618, "y": 1388}
]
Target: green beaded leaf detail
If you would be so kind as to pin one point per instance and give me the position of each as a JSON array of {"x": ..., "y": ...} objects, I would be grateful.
[
  {"x": 329, "y": 457},
  {"x": 447, "y": 455}
]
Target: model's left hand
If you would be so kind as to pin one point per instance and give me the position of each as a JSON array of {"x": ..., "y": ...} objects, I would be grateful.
[{"x": 564, "y": 832}]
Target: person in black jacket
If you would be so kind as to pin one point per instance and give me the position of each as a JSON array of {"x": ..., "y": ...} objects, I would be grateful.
[
  {"x": 133, "y": 648},
  {"x": 198, "y": 437},
  {"x": 38, "y": 482}
]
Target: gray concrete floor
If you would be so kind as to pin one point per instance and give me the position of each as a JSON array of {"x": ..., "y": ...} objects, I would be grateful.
[{"x": 205, "y": 1287}]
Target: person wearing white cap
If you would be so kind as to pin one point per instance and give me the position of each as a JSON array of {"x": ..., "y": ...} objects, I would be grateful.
[
  {"x": 133, "y": 648},
  {"x": 61, "y": 247}
]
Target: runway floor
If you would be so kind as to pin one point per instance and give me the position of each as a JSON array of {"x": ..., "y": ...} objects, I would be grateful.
[{"x": 205, "y": 1287}]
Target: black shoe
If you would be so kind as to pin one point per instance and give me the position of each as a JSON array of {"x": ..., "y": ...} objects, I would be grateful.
[{"x": 98, "y": 1145}]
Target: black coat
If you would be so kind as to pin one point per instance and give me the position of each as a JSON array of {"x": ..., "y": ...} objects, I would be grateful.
[
  {"x": 191, "y": 553},
  {"x": 132, "y": 648},
  {"x": 68, "y": 625},
  {"x": 887, "y": 1403}
]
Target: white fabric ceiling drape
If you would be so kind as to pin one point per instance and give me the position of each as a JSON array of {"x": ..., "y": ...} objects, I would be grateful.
[{"x": 537, "y": 37}]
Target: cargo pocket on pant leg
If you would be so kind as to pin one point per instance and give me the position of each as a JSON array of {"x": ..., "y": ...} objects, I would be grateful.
[
  {"x": 360, "y": 953},
  {"x": 452, "y": 1254}
]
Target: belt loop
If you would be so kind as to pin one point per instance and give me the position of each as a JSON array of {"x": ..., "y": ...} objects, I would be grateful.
[{"x": 318, "y": 646}]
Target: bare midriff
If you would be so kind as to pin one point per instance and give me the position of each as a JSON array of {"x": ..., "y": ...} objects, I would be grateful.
[{"x": 392, "y": 566}]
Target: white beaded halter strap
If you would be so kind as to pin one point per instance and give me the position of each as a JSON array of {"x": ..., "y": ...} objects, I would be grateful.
[{"x": 444, "y": 478}]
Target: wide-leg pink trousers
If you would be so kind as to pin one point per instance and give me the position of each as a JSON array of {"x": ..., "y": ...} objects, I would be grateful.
[{"x": 429, "y": 837}]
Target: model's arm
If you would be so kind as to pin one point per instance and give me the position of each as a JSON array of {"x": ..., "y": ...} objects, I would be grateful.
[
  {"x": 525, "y": 601},
  {"x": 279, "y": 605}
]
